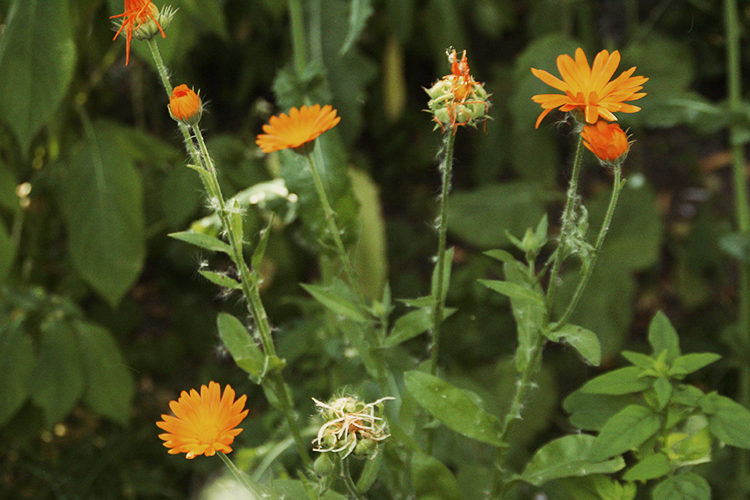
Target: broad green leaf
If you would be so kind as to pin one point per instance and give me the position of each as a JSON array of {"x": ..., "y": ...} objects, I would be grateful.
[
  {"x": 651, "y": 467},
  {"x": 221, "y": 280},
  {"x": 529, "y": 316},
  {"x": 622, "y": 381},
  {"x": 453, "y": 407},
  {"x": 57, "y": 381},
  {"x": 16, "y": 362},
  {"x": 109, "y": 381},
  {"x": 627, "y": 430},
  {"x": 335, "y": 302},
  {"x": 663, "y": 389},
  {"x": 412, "y": 324},
  {"x": 566, "y": 457},
  {"x": 693, "y": 362},
  {"x": 359, "y": 12},
  {"x": 515, "y": 291},
  {"x": 203, "y": 241},
  {"x": 102, "y": 203},
  {"x": 242, "y": 346},
  {"x": 593, "y": 487},
  {"x": 663, "y": 337},
  {"x": 687, "y": 486},
  {"x": 592, "y": 411},
  {"x": 669, "y": 74},
  {"x": 37, "y": 59},
  {"x": 432, "y": 480},
  {"x": 7, "y": 252},
  {"x": 207, "y": 14},
  {"x": 180, "y": 196},
  {"x": 370, "y": 258},
  {"x": 684, "y": 108},
  {"x": 582, "y": 340},
  {"x": 482, "y": 216},
  {"x": 728, "y": 420}
]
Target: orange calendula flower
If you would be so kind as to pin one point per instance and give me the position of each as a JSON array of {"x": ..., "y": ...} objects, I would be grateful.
[
  {"x": 204, "y": 423},
  {"x": 302, "y": 126},
  {"x": 185, "y": 105},
  {"x": 606, "y": 140},
  {"x": 589, "y": 89},
  {"x": 137, "y": 13}
]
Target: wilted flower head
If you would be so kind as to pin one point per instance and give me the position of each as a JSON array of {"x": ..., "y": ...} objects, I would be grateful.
[
  {"x": 588, "y": 90},
  {"x": 457, "y": 99},
  {"x": 185, "y": 105},
  {"x": 142, "y": 20},
  {"x": 203, "y": 423},
  {"x": 351, "y": 426},
  {"x": 606, "y": 140}
]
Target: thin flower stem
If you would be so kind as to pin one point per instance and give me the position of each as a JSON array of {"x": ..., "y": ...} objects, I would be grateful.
[
  {"x": 567, "y": 225},
  {"x": 298, "y": 36},
  {"x": 617, "y": 186},
  {"x": 238, "y": 475},
  {"x": 446, "y": 166},
  {"x": 202, "y": 158},
  {"x": 333, "y": 229},
  {"x": 742, "y": 209},
  {"x": 346, "y": 475}
]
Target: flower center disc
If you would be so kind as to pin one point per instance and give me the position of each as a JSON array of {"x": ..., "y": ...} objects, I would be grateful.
[{"x": 208, "y": 433}]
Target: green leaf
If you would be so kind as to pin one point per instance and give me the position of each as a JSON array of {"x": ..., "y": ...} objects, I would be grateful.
[
  {"x": 651, "y": 467},
  {"x": 7, "y": 252},
  {"x": 663, "y": 337},
  {"x": 203, "y": 241},
  {"x": 501, "y": 255},
  {"x": 625, "y": 431},
  {"x": 688, "y": 486},
  {"x": 514, "y": 291},
  {"x": 693, "y": 362},
  {"x": 109, "y": 382},
  {"x": 432, "y": 480},
  {"x": 622, "y": 381},
  {"x": 37, "y": 59},
  {"x": 359, "y": 12},
  {"x": 582, "y": 340},
  {"x": 207, "y": 14},
  {"x": 566, "y": 457},
  {"x": 409, "y": 326},
  {"x": 102, "y": 203},
  {"x": 242, "y": 346},
  {"x": 221, "y": 280},
  {"x": 335, "y": 302},
  {"x": 446, "y": 274},
  {"x": 292, "y": 489},
  {"x": 16, "y": 362},
  {"x": 529, "y": 315},
  {"x": 57, "y": 381},
  {"x": 728, "y": 420},
  {"x": 260, "y": 249},
  {"x": 663, "y": 389},
  {"x": 482, "y": 216},
  {"x": 453, "y": 407},
  {"x": 591, "y": 411},
  {"x": 371, "y": 258},
  {"x": 737, "y": 245}
]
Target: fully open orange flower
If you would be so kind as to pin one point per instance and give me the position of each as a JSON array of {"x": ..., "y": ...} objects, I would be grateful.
[
  {"x": 606, "y": 140},
  {"x": 589, "y": 89},
  {"x": 205, "y": 423},
  {"x": 136, "y": 13},
  {"x": 185, "y": 105},
  {"x": 303, "y": 125}
]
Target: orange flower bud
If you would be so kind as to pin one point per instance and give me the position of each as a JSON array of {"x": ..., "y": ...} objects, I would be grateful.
[
  {"x": 606, "y": 140},
  {"x": 185, "y": 105}
]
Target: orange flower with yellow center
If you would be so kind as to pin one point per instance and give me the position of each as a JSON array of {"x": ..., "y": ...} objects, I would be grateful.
[
  {"x": 301, "y": 126},
  {"x": 185, "y": 105},
  {"x": 137, "y": 12},
  {"x": 589, "y": 89},
  {"x": 606, "y": 140},
  {"x": 204, "y": 423}
]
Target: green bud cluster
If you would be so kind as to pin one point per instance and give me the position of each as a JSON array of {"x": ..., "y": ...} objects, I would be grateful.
[{"x": 449, "y": 110}]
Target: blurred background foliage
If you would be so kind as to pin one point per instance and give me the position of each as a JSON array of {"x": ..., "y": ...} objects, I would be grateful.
[{"x": 104, "y": 319}]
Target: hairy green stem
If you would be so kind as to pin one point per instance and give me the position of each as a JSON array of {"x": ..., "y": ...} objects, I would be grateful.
[
  {"x": 617, "y": 186},
  {"x": 567, "y": 226},
  {"x": 299, "y": 45},
  {"x": 238, "y": 475},
  {"x": 346, "y": 475},
  {"x": 438, "y": 288},
  {"x": 202, "y": 159},
  {"x": 742, "y": 209},
  {"x": 333, "y": 228}
]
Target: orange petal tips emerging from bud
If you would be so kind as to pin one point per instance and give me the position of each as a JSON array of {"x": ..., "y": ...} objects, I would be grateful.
[
  {"x": 302, "y": 126},
  {"x": 607, "y": 141},
  {"x": 142, "y": 20},
  {"x": 203, "y": 423},
  {"x": 185, "y": 105},
  {"x": 588, "y": 89}
]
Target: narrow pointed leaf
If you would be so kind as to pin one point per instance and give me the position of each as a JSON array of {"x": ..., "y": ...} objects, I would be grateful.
[
  {"x": 514, "y": 291},
  {"x": 412, "y": 324},
  {"x": 203, "y": 241},
  {"x": 335, "y": 302},
  {"x": 627, "y": 430},
  {"x": 221, "y": 280},
  {"x": 623, "y": 381},
  {"x": 242, "y": 346}
]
